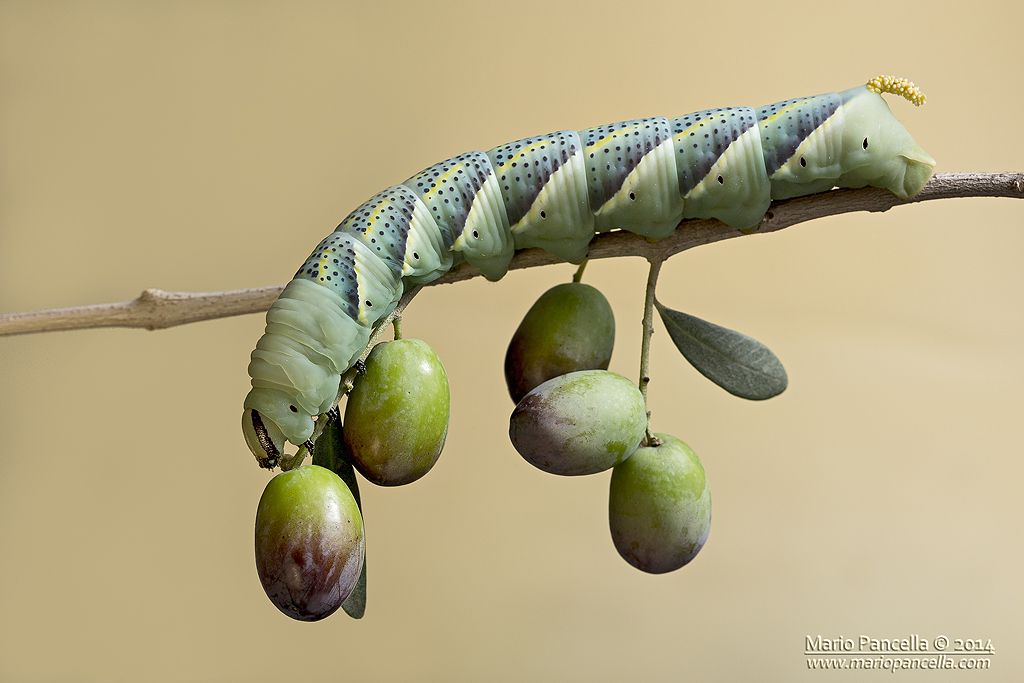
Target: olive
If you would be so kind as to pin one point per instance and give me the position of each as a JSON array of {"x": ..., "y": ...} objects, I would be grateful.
[
  {"x": 580, "y": 423},
  {"x": 570, "y": 327},
  {"x": 659, "y": 506},
  {"x": 309, "y": 542},
  {"x": 396, "y": 419}
]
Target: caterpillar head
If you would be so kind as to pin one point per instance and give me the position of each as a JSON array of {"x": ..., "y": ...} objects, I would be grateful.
[
  {"x": 269, "y": 420},
  {"x": 877, "y": 149}
]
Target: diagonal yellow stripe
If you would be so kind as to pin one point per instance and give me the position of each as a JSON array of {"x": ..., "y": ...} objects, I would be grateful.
[
  {"x": 607, "y": 138},
  {"x": 523, "y": 152},
  {"x": 447, "y": 174},
  {"x": 685, "y": 132},
  {"x": 786, "y": 109}
]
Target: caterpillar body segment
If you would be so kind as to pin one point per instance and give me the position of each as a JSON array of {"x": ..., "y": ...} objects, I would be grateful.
[
  {"x": 462, "y": 197},
  {"x": 392, "y": 224},
  {"x": 553, "y": 192},
  {"x": 721, "y": 166},
  {"x": 632, "y": 176},
  {"x": 544, "y": 187}
]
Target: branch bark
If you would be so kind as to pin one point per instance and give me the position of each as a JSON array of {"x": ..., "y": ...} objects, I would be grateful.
[{"x": 157, "y": 309}]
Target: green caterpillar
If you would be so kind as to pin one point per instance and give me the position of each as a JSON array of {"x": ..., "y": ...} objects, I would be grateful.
[{"x": 554, "y": 192}]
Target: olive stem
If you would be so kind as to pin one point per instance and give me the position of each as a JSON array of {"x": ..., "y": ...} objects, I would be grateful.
[
  {"x": 396, "y": 322},
  {"x": 578, "y": 276},
  {"x": 645, "y": 345},
  {"x": 290, "y": 462}
]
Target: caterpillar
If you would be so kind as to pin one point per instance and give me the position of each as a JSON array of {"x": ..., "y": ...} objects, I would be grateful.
[{"x": 555, "y": 191}]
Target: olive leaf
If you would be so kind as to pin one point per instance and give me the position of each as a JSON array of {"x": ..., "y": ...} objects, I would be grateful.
[
  {"x": 739, "y": 364},
  {"x": 329, "y": 451}
]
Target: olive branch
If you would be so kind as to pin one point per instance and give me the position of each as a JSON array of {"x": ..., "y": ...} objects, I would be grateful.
[{"x": 156, "y": 309}]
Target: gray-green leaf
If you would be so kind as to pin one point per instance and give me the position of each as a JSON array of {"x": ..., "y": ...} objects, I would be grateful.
[
  {"x": 739, "y": 364},
  {"x": 329, "y": 451}
]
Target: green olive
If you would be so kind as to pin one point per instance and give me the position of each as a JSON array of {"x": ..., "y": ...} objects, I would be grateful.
[
  {"x": 580, "y": 423},
  {"x": 659, "y": 506},
  {"x": 396, "y": 419},
  {"x": 570, "y": 327},
  {"x": 309, "y": 542}
]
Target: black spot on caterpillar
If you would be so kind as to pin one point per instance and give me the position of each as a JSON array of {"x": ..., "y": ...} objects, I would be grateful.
[{"x": 554, "y": 191}]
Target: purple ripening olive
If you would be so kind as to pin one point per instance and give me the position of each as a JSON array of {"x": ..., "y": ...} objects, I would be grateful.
[
  {"x": 570, "y": 327},
  {"x": 580, "y": 423},
  {"x": 309, "y": 542}
]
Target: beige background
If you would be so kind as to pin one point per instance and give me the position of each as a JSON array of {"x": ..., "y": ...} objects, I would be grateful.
[{"x": 208, "y": 146}]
